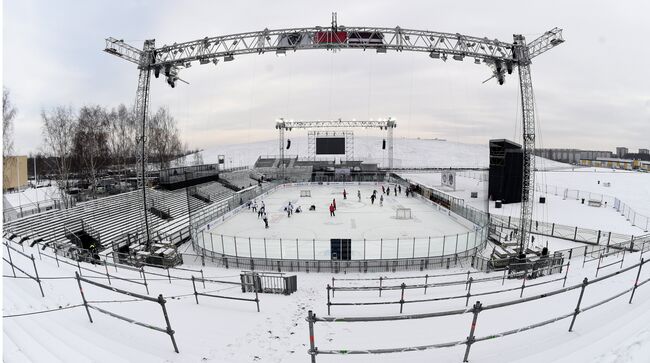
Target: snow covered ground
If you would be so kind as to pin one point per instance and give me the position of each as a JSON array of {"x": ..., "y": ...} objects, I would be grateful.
[
  {"x": 217, "y": 330},
  {"x": 632, "y": 185},
  {"x": 355, "y": 219}
]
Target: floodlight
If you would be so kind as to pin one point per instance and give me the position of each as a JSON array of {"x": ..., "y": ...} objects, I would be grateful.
[{"x": 229, "y": 58}]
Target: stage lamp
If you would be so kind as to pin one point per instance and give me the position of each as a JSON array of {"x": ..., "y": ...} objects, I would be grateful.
[
  {"x": 434, "y": 55},
  {"x": 229, "y": 58},
  {"x": 280, "y": 52}
]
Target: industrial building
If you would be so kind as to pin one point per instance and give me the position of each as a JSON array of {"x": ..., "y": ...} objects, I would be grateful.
[
  {"x": 571, "y": 156},
  {"x": 14, "y": 172}
]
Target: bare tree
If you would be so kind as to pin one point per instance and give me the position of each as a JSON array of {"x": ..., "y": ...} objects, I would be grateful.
[
  {"x": 59, "y": 126},
  {"x": 91, "y": 142},
  {"x": 163, "y": 137},
  {"x": 8, "y": 114},
  {"x": 122, "y": 134}
]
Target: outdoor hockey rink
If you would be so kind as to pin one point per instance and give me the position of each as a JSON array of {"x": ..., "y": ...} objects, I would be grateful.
[{"x": 374, "y": 230}]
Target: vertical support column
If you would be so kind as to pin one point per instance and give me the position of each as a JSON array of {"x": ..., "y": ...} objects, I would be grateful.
[
  {"x": 141, "y": 112},
  {"x": 390, "y": 127},
  {"x": 169, "y": 329},
  {"x": 312, "y": 346},
  {"x": 520, "y": 53},
  {"x": 470, "y": 339},
  {"x": 83, "y": 297}
]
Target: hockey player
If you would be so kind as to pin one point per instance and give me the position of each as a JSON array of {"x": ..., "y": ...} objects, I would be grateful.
[
  {"x": 345, "y": 194},
  {"x": 332, "y": 209},
  {"x": 381, "y": 200},
  {"x": 265, "y": 219},
  {"x": 359, "y": 195}
]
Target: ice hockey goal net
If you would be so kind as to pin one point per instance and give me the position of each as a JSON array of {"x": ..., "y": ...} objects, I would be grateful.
[
  {"x": 305, "y": 193},
  {"x": 403, "y": 213}
]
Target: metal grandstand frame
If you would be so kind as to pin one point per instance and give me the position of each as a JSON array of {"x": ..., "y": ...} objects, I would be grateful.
[{"x": 501, "y": 56}]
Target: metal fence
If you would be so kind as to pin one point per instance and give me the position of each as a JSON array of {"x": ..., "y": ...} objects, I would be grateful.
[
  {"x": 635, "y": 218},
  {"x": 315, "y": 255},
  {"x": 476, "y": 309},
  {"x": 159, "y": 300},
  {"x": 571, "y": 233}
]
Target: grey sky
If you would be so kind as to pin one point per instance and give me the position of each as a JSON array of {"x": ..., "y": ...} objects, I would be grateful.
[{"x": 592, "y": 92}]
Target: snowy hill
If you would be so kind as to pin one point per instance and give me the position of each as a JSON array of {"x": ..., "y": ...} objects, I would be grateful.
[{"x": 408, "y": 153}]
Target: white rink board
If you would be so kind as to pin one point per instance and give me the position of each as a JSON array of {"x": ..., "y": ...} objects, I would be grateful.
[{"x": 307, "y": 235}]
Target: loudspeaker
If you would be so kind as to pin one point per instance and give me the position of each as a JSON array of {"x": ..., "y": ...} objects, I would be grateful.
[
  {"x": 383, "y": 144},
  {"x": 288, "y": 144}
]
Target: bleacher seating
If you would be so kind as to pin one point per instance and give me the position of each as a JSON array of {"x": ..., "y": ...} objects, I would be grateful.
[{"x": 115, "y": 216}]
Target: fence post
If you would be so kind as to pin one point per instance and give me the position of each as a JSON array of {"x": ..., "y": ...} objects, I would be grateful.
[
  {"x": 38, "y": 280},
  {"x": 413, "y": 247},
  {"x": 600, "y": 258},
  {"x": 442, "y": 254},
  {"x": 281, "y": 248},
  {"x": 636, "y": 282},
  {"x": 312, "y": 348},
  {"x": 552, "y": 229},
  {"x": 83, "y": 297},
  {"x": 470, "y": 339},
  {"x": 297, "y": 254},
  {"x": 584, "y": 257},
  {"x": 144, "y": 276},
  {"x": 503, "y": 281},
  {"x": 257, "y": 299},
  {"x": 381, "y": 248},
  {"x": 429, "y": 248},
  {"x": 469, "y": 289},
  {"x": 223, "y": 249},
  {"x": 426, "y": 283},
  {"x": 332, "y": 287},
  {"x": 56, "y": 257},
  {"x": 79, "y": 268},
  {"x": 170, "y": 332},
  {"x": 577, "y": 310},
  {"x": 397, "y": 255},
  {"x": 523, "y": 286},
  {"x": 196, "y": 295},
  {"x": 169, "y": 276},
  {"x": 467, "y": 280},
  {"x": 39, "y": 252},
  {"x": 107, "y": 275},
  {"x": 566, "y": 273},
  {"x": 328, "y": 299},
  {"x": 380, "y": 283},
  {"x": 313, "y": 248},
  {"x": 11, "y": 263},
  {"x": 575, "y": 234},
  {"x": 250, "y": 248},
  {"x": 401, "y": 300}
]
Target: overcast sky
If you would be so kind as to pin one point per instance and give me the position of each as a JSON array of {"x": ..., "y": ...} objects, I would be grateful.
[{"x": 592, "y": 92}]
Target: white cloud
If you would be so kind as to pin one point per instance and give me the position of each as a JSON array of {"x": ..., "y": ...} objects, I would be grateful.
[{"x": 592, "y": 91}]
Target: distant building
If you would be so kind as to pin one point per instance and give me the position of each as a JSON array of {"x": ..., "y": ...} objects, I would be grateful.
[
  {"x": 614, "y": 163},
  {"x": 14, "y": 172},
  {"x": 571, "y": 156},
  {"x": 621, "y": 151},
  {"x": 644, "y": 151}
]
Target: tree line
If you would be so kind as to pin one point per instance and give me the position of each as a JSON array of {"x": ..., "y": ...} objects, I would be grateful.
[{"x": 95, "y": 139}]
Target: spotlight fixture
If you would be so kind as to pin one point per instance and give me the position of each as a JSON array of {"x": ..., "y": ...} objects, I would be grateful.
[
  {"x": 434, "y": 55},
  {"x": 229, "y": 58},
  {"x": 281, "y": 52}
]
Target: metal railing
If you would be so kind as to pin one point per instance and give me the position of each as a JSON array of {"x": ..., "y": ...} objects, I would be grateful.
[
  {"x": 476, "y": 309},
  {"x": 159, "y": 300}
]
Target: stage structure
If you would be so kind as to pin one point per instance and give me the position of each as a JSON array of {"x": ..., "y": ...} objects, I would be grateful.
[
  {"x": 501, "y": 57},
  {"x": 283, "y": 125},
  {"x": 315, "y": 140}
]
